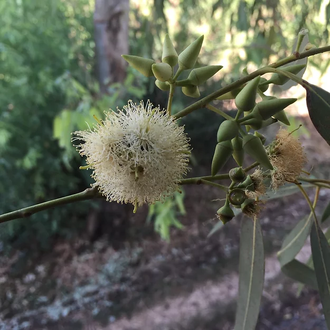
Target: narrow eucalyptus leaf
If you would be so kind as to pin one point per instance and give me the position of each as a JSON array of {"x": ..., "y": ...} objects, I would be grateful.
[
  {"x": 321, "y": 260},
  {"x": 300, "y": 272},
  {"x": 251, "y": 270},
  {"x": 326, "y": 213},
  {"x": 216, "y": 228},
  {"x": 294, "y": 241},
  {"x": 318, "y": 104}
]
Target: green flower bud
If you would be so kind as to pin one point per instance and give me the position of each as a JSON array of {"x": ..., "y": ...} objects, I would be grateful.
[
  {"x": 225, "y": 213},
  {"x": 238, "y": 153},
  {"x": 143, "y": 65},
  {"x": 162, "y": 71},
  {"x": 281, "y": 116},
  {"x": 228, "y": 129},
  {"x": 188, "y": 57},
  {"x": 222, "y": 153},
  {"x": 162, "y": 85},
  {"x": 237, "y": 174},
  {"x": 237, "y": 197},
  {"x": 200, "y": 75},
  {"x": 247, "y": 184},
  {"x": 245, "y": 100},
  {"x": 263, "y": 84},
  {"x": 170, "y": 56},
  {"x": 253, "y": 146},
  {"x": 280, "y": 79},
  {"x": 260, "y": 136},
  {"x": 230, "y": 95},
  {"x": 191, "y": 91},
  {"x": 269, "y": 108}
]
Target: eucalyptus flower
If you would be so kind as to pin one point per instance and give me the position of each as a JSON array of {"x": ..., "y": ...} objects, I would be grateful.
[{"x": 138, "y": 155}]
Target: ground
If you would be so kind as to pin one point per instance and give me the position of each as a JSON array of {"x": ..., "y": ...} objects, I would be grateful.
[{"x": 142, "y": 282}]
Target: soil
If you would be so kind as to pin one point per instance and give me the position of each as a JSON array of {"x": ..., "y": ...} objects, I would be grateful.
[{"x": 127, "y": 278}]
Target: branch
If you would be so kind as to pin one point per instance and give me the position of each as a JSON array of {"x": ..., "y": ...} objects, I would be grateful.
[
  {"x": 26, "y": 212},
  {"x": 207, "y": 99}
]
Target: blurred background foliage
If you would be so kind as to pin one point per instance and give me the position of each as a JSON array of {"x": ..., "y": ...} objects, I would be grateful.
[{"x": 49, "y": 87}]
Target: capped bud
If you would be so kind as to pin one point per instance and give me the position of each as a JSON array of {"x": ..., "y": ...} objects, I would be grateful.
[
  {"x": 162, "y": 71},
  {"x": 237, "y": 174},
  {"x": 230, "y": 95},
  {"x": 238, "y": 153},
  {"x": 222, "y": 153},
  {"x": 162, "y": 85},
  {"x": 247, "y": 184},
  {"x": 260, "y": 136},
  {"x": 263, "y": 84},
  {"x": 170, "y": 56},
  {"x": 265, "y": 109},
  {"x": 237, "y": 197},
  {"x": 225, "y": 213},
  {"x": 280, "y": 79},
  {"x": 245, "y": 100},
  {"x": 191, "y": 91},
  {"x": 200, "y": 75},
  {"x": 281, "y": 116},
  {"x": 269, "y": 108},
  {"x": 228, "y": 129},
  {"x": 143, "y": 65},
  {"x": 188, "y": 57},
  {"x": 253, "y": 146}
]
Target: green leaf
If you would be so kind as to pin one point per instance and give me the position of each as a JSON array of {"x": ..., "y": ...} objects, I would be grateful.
[
  {"x": 318, "y": 104},
  {"x": 294, "y": 241},
  {"x": 216, "y": 227},
  {"x": 300, "y": 272},
  {"x": 326, "y": 213},
  {"x": 251, "y": 270},
  {"x": 321, "y": 260}
]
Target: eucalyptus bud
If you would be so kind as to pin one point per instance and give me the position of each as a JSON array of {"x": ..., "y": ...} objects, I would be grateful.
[
  {"x": 143, "y": 65},
  {"x": 263, "y": 84},
  {"x": 230, "y": 95},
  {"x": 170, "y": 56},
  {"x": 200, "y": 75},
  {"x": 237, "y": 197},
  {"x": 237, "y": 174},
  {"x": 162, "y": 71},
  {"x": 280, "y": 79},
  {"x": 225, "y": 213},
  {"x": 245, "y": 100},
  {"x": 188, "y": 57},
  {"x": 253, "y": 146},
  {"x": 265, "y": 109},
  {"x": 238, "y": 153},
  {"x": 260, "y": 136},
  {"x": 247, "y": 184},
  {"x": 191, "y": 91},
  {"x": 228, "y": 129},
  {"x": 281, "y": 116},
  {"x": 162, "y": 85},
  {"x": 222, "y": 153}
]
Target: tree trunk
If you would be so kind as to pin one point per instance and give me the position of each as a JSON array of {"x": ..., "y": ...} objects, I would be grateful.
[{"x": 111, "y": 40}]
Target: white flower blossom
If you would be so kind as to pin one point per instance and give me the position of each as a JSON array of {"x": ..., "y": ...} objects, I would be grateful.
[{"x": 138, "y": 155}]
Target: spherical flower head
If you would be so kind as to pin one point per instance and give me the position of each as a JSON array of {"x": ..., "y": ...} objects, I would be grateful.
[
  {"x": 138, "y": 155},
  {"x": 287, "y": 156}
]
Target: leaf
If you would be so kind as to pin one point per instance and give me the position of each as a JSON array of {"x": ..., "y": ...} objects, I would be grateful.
[
  {"x": 326, "y": 213},
  {"x": 321, "y": 260},
  {"x": 300, "y": 272},
  {"x": 251, "y": 270},
  {"x": 318, "y": 104},
  {"x": 216, "y": 227},
  {"x": 294, "y": 241}
]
